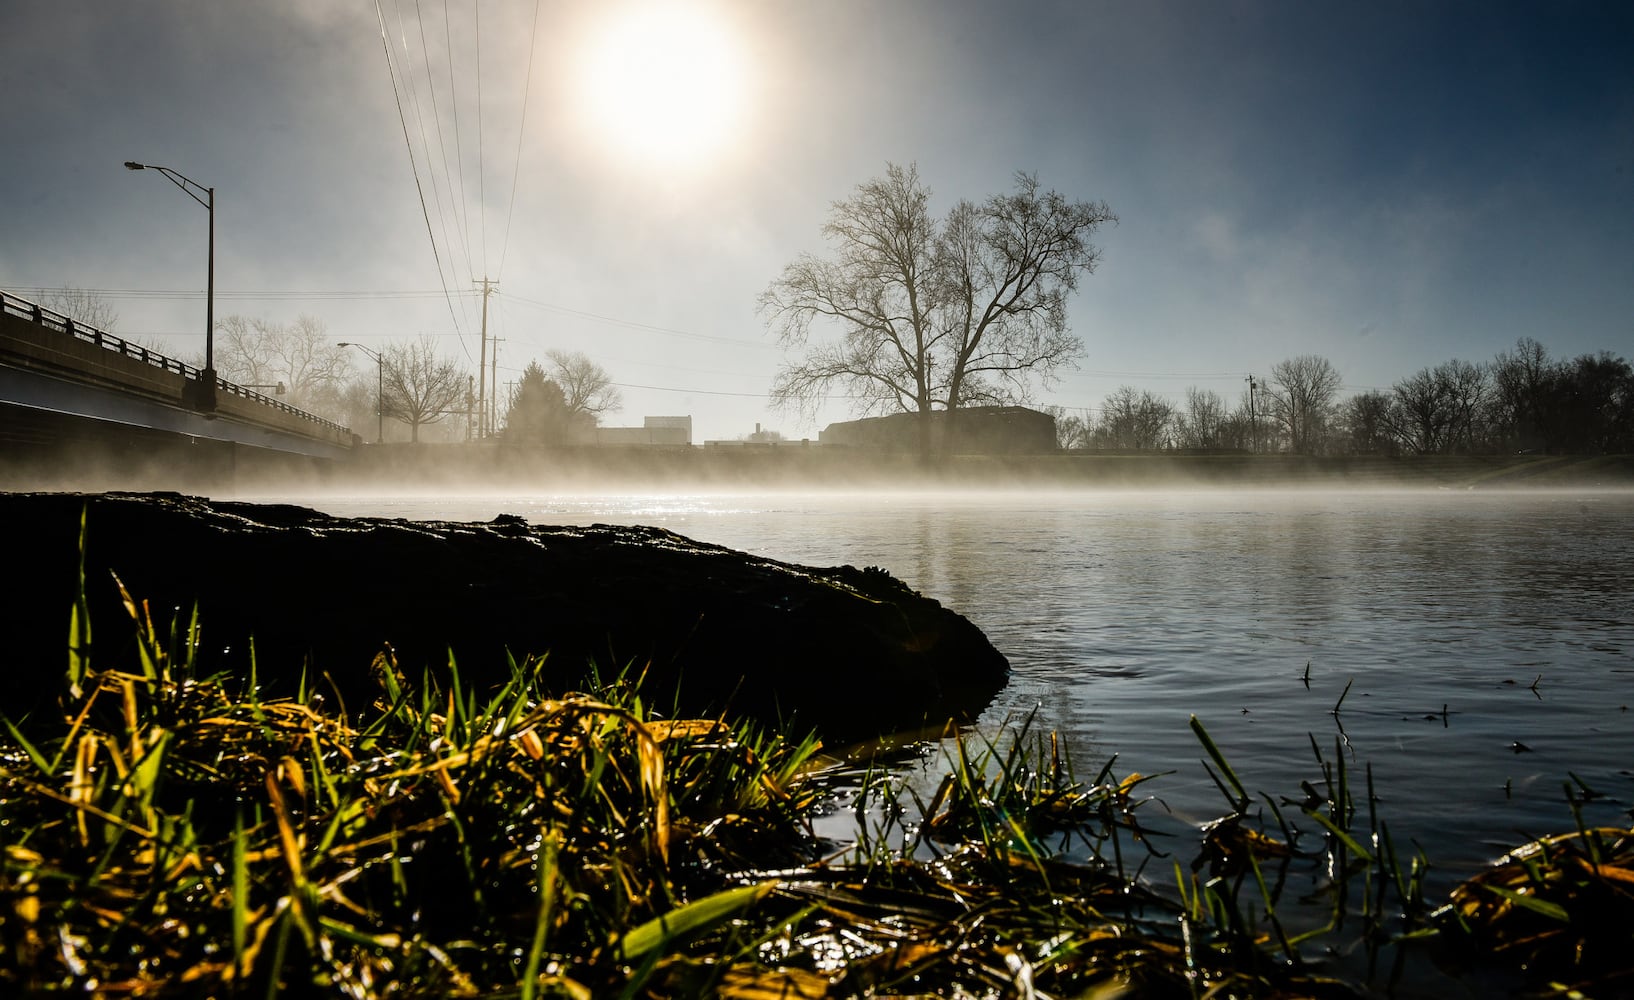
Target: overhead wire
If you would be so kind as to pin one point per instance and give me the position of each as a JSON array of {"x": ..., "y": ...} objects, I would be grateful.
[
  {"x": 459, "y": 145},
  {"x": 634, "y": 325},
  {"x": 521, "y": 130},
  {"x": 385, "y": 44},
  {"x": 482, "y": 175},
  {"x": 1093, "y": 373},
  {"x": 425, "y": 143},
  {"x": 437, "y": 121}
]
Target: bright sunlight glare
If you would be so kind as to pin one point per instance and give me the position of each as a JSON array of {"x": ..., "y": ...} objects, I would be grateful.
[{"x": 664, "y": 83}]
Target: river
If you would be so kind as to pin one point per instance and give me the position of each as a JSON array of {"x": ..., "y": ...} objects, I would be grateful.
[{"x": 1486, "y": 639}]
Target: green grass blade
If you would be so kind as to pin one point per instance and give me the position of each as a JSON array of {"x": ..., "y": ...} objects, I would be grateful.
[
  {"x": 697, "y": 915},
  {"x": 1220, "y": 761},
  {"x": 1554, "y": 911},
  {"x": 34, "y": 755},
  {"x": 541, "y": 926},
  {"x": 79, "y": 623},
  {"x": 1344, "y": 838},
  {"x": 241, "y": 892}
]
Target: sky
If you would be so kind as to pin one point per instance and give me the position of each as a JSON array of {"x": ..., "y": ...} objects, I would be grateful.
[{"x": 1386, "y": 185}]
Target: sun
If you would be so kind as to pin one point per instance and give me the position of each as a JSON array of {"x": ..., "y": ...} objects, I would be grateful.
[{"x": 664, "y": 83}]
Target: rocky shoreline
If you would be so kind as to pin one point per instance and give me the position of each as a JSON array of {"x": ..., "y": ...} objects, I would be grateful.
[{"x": 707, "y": 630}]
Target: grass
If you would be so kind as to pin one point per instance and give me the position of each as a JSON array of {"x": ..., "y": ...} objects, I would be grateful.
[{"x": 173, "y": 835}]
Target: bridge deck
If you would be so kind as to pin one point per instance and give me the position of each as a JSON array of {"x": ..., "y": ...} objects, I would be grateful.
[{"x": 50, "y": 363}]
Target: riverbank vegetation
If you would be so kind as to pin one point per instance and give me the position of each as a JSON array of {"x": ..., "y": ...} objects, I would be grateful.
[{"x": 175, "y": 835}]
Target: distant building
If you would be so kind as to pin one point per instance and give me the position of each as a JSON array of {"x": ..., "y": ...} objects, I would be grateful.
[
  {"x": 974, "y": 430},
  {"x": 760, "y": 438},
  {"x": 653, "y": 431}
]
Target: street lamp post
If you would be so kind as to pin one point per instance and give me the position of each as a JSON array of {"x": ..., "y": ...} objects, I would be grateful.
[
  {"x": 207, "y": 391},
  {"x": 379, "y": 390}
]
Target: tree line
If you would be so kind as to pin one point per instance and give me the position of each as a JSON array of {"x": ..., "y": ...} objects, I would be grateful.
[
  {"x": 909, "y": 312},
  {"x": 1521, "y": 401},
  {"x": 411, "y": 382}
]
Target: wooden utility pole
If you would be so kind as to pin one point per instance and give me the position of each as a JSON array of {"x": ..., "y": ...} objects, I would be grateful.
[
  {"x": 482, "y": 364},
  {"x": 1253, "y": 425},
  {"x": 493, "y": 386},
  {"x": 470, "y": 406}
]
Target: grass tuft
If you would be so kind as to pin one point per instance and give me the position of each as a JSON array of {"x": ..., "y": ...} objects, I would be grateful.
[{"x": 175, "y": 836}]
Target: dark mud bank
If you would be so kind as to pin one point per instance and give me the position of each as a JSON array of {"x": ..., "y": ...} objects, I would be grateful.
[{"x": 851, "y": 652}]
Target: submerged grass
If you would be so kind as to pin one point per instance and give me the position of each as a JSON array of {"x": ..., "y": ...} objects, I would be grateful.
[{"x": 173, "y": 835}]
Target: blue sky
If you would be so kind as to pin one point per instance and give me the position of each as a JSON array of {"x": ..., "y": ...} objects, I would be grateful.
[{"x": 1386, "y": 185}]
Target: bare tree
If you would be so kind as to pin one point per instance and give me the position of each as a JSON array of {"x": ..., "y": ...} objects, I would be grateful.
[
  {"x": 244, "y": 352},
  {"x": 317, "y": 368},
  {"x": 302, "y": 357},
  {"x": 1202, "y": 423},
  {"x": 1134, "y": 420},
  {"x": 85, "y": 306},
  {"x": 933, "y": 316},
  {"x": 586, "y": 387},
  {"x": 1419, "y": 415},
  {"x": 1434, "y": 411},
  {"x": 1523, "y": 394},
  {"x": 1367, "y": 422},
  {"x": 1072, "y": 431},
  {"x": 1005, "y": 270},
  {"x": 418, "y": 386},
  {"x": 1465, "y": 387},
  {"x": 1300, "y": 394}
]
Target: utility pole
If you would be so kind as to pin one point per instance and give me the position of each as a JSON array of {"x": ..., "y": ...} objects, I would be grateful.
[
  {"x": 1253, "y": 425},
  {"x": 482, "y": 365},
  {"x": 493, "y": 385}
]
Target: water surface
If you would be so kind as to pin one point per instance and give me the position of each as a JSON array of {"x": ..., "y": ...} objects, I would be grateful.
[{"x": 1487, "y": 639}]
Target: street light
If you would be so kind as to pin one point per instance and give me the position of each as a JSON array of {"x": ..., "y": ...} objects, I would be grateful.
[
  {"x": 207, "y": 394},
  {"x": 379, "y": 390}
]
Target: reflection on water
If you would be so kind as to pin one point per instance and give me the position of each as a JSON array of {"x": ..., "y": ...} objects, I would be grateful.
[{"x": 1124, "y": 614}]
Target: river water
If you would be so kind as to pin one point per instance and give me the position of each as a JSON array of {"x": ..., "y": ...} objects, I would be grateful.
[{"x": 1486, "y": 639}]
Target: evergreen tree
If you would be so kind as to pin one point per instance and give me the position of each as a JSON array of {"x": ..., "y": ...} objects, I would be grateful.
[{"x": 538, "y": 411}]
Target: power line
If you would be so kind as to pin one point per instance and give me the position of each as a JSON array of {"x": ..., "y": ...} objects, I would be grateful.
[
  {"x": 425, "y": 144},
  {"x": 709, "y": 392},
  {"x": 521, "y": 130},
  {"x": 388, "y": 293},
  {"x": 437, "y": 121},
  {"x": 459, "y": 146},
  {"x": 634, "y": 325},
  {"x": 385, "y": 44},
  {"x": 482, "y": 178},
  {"x": 1091, "y": 373}
]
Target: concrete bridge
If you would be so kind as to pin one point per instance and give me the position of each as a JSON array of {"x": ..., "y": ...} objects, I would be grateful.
[{"x": 75, "y": 397}]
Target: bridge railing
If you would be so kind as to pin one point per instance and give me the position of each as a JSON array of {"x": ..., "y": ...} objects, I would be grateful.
[{"x": 68, "y": 326}]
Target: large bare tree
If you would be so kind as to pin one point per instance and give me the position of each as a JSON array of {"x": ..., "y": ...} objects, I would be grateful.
[
  {"x": 419, "y": 387},
  {"x": 1301, "y": 394},
  {"x": 1202, "y": 423},
  {"x": 1367, "y": 421},
  {"x": 933, "y": 315},
  {"x": 1434, "y": 411},
  {"x": 1134, "y": 420},
  {"x": 586, "y": 387}
]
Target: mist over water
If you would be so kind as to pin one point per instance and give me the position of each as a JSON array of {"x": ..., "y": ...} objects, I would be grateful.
[{"x": 1124, "y": 613}]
